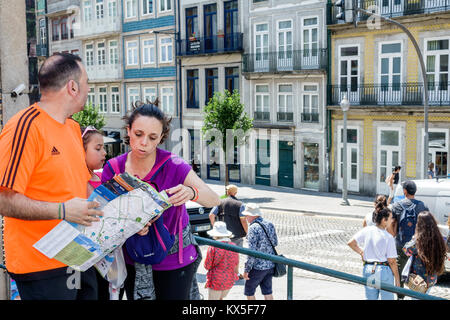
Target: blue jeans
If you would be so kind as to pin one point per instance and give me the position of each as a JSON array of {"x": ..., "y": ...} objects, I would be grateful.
[{"x": 382, "y": 274}]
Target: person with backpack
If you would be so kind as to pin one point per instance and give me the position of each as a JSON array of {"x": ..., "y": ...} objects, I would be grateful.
[
  {"x": 428, "y": 250},
  {"x": 170, "y": 279},
  {"x": 405, "y": 214}
]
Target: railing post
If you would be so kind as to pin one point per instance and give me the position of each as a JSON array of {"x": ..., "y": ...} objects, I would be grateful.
[{"x": 290, "y": 281}]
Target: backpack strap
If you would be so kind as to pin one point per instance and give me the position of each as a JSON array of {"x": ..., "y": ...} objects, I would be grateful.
[{"x": 113, "y": 164}]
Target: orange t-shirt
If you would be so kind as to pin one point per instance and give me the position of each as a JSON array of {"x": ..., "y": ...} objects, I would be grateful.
[{"x": 44, "y": 160}]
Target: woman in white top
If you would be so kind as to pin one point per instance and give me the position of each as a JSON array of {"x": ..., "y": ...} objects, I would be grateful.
[{"x": 377, "y": 249}]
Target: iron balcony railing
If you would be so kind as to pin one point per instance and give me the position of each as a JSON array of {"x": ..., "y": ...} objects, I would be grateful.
[
  {"x": 285, "y": 116},
  {"x": 261, "y": 115},
  {"x": 41, "y": 50},
  {"x": 213, "y": 44},
  {"x": 392, "y": 8},
  {"x": 401, "y": 94},
  {"x": 291, "y": 264},
  {"x": 278, "y": 61},
  {"x": 310, "y": 117}
]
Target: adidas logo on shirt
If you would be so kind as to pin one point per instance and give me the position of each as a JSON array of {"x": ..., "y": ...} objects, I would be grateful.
[{"x": 55, "y": 151}]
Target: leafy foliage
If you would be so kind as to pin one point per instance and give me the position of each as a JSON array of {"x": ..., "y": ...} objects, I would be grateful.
[{"x": 90, "y": 116}]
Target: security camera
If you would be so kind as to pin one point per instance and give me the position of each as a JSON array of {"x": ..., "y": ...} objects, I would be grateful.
[{"x": 18, "y": 90}]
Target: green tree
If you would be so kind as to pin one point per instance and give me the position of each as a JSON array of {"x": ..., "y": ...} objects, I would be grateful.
[
  {"x": 90, "y": 116},
  {"x": 226, "y": 123}
]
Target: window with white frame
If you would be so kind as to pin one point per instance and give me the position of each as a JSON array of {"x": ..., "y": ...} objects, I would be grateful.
[
  {"x": 262, "y": 109},
  {"x": 148, "y": 51},
  {"x": 99, "y": 9},
  {"x": 42, "y": 32},
  {"x": 91, "y": 97},
  {"x": 131, "y": 7},
  {"x": 133, "y": 96},
  {"x": 284, "y": 37},
  {"x": 165, "y": 5},
  {"x": 112, "y": 8},
  {"x": 115, "y": 100},
  {"x": 437, "y": 59},
  {"x": 147, "y": 7},
  {"x": 132, "y": 53},
  {"x": 149, "y": 94},
  {"x": 166, "y": 48},
  {"x": 310, "y": 37},
  {"x": 113, "y": 52},
  {"x": 310, "y": 112},
  {"x": 167, "y": 99},
  {"x": 102, "y": 99},
  {"x": 87, "y": 11},
  {"x": 89, "y": 52},
  {"x": 262, "y": 42},
  {"x": 101, "y": 53},
  {"x": 390, "y": 66},
  {"x": 285, "y": 105}
]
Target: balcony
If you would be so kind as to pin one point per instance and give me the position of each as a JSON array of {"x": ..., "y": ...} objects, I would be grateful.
[
  {"x": 41, "y": 50},
  {"x": 96, "y": 27},
  {"x": 104, "y": 72},
  {"x": 310, "y": 117},
  {"x": 296, "y": 60},
  {"x": 210, "y": 45},
  {"x": 261, "y": 115},
  {"x": 285, "y": 116},
  {"x": 401, "y": 94},
  {"x": 392, "y": 8}
]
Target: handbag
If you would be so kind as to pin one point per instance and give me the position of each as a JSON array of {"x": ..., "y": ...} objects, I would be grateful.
[
  {"x": 413, "y": 281},
  {"x": 280, "y": 268}
]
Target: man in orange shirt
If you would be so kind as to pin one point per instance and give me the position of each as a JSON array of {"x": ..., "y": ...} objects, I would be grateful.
[{"x": 43, "y": 169}]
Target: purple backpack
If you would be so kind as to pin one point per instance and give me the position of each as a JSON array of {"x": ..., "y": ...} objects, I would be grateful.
[{"x": 154, "y": 246}]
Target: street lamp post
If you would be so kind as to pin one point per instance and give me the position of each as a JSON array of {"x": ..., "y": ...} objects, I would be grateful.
[{"x": 345, "y": 105}]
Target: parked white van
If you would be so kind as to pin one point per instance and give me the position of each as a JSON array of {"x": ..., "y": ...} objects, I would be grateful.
[{"x": 436, "y": 196}]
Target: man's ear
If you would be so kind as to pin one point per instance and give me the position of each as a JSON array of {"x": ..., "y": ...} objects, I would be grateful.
[{"x": 72, "y": 88}]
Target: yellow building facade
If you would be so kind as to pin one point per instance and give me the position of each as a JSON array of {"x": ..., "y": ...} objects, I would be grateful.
[{"x": 376, "y": 67}]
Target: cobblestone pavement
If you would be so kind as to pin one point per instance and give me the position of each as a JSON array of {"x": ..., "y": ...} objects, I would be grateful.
[{"x": 322, "y": 241}]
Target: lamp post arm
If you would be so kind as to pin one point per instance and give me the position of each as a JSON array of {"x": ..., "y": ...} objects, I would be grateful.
[{"x": 424, "y": 77}]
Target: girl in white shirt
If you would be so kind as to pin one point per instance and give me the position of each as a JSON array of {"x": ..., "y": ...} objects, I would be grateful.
[{"x": 378, "y": 252}]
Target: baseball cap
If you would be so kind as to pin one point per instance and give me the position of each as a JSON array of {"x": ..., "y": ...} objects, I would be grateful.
[{"x": 410, "y": 187}]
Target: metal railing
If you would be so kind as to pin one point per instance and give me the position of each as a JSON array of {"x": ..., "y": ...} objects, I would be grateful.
[
  {"x": 403, "y": 94},
  {"x": 288, "y": 60},
  {"x": 290, "y": 263},
  {"x": 211, "y": 44},
  {"x": 391, "y": 8}
]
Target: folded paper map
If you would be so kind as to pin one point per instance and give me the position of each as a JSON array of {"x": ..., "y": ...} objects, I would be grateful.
[{"x": 127, "y": 204}]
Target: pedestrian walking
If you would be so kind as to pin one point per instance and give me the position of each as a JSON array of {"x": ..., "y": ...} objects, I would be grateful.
[
  {"x": 403, "y": 225},
  {"x": 147, "y": 127},
  {"x": 222, "y": 265},
  {"x": 431, "y": 170},
  {"x": 379, "y": 203},
  {"x": 427, "y": 249},
  {"x": 392, "y": 182},
  {"x": 230, "y": 211},
  {"x": 44, "y": 178},
  {"x": 261, "y": 236},
  {"x": 378, "y": 253}
]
